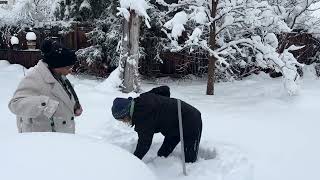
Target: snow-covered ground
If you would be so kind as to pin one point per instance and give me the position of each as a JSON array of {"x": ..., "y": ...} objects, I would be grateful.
[
  {"x": 256, "y": 130},
  {"x": 53, "y": 156}
]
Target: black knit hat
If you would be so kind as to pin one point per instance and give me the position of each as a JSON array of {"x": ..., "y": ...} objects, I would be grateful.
[
  {"x": 121, "y": 107},
  {"x": 56, "y": 55}
]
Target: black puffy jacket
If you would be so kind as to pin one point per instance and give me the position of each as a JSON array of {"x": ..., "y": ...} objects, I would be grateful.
[{"x": 155, "y": 112}]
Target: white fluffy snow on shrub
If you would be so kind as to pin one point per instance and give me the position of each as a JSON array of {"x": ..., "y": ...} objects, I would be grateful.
[
  {"x": 176, "y": 24},
  {"x": 57, "y": 156}
]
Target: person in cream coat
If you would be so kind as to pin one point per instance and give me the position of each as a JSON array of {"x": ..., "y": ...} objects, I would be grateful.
[{"x": 45, "y": 100}]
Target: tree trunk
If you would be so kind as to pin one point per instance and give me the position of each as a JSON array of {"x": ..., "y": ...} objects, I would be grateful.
[
  {"x": 212, "y": 59},
  {"x": 130, "y": 54},
  {"x": 211, "y": 75}
]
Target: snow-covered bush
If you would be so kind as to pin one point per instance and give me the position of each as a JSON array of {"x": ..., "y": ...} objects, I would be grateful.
[
  {"x": 234, "y": 32},
  {"x": 105, "y": 36},
  {"x": 91, "y": 62},
  {"x": 81, "y": 10},
  {"x": 104, "y": 39},
  {"x": 90, "y": 55}
]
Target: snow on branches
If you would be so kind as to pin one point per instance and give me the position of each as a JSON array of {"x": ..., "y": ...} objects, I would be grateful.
[
  {"x": 139, "y": 6},
  {"x": 243, "y": 33},
  {"x": 296, "y": 13},
  {"x": 28, "y": 12}
]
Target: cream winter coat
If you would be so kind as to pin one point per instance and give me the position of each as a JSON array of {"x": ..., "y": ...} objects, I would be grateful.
[{"x": 41, "y": 104}]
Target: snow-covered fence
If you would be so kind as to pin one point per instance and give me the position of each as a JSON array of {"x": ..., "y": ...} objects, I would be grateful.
[{"x": 23, "y": 57}]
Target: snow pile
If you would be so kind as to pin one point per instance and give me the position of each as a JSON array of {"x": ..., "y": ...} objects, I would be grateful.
[
  {"x": 6, "y": 67},
  {"x": 4, "y": 63},
  {"x": 64, "y": 157},
  {"x": 239, "y": 142},
  {"x": 112, "y": 83}
]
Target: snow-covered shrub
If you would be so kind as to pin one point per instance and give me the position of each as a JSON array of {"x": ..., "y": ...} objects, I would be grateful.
[
  {"x": 237, "y": 34},
  {"x": 82, "y": 10},
  {"x": 102, "y": 55},
  {"x": 90, "y": 54},
  {"x": 90, "y": 61},
  {"x": 104, "y": 39}
]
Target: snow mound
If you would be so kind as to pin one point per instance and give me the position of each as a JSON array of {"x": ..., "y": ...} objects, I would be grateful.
[
  {"x": 53, "y": 156},
  {"x": 112, "y": 83},
  {"x": 4, "y": 63},
  {"x": 6, "y": 66}
]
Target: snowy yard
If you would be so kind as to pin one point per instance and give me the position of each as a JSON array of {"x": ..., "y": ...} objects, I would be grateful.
[{"x": 256, "y": 129}]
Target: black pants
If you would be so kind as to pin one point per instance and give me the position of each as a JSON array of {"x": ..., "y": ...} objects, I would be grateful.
[{"x": 191, "y": 146}]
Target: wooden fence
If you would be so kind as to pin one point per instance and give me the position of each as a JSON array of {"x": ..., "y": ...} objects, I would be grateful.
[
  {"x": 26, "y": 58},
  {"x": 174, "y": 64},
  {"x": 75, "y": 39}
]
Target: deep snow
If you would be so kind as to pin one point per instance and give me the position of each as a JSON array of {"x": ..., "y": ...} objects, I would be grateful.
[
  {"x": 257, "y": 131},
  {"x": 53, "y": 156}
]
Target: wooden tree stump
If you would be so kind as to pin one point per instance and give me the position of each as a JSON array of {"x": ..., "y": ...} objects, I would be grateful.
[{"x": 130, "y": 53}]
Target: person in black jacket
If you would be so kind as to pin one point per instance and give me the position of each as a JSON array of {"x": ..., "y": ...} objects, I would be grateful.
[{"x": 153, "y": 112}]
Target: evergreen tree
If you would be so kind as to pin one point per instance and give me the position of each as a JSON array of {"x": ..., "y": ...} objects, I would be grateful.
[{"x": 104, "y": 39}]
